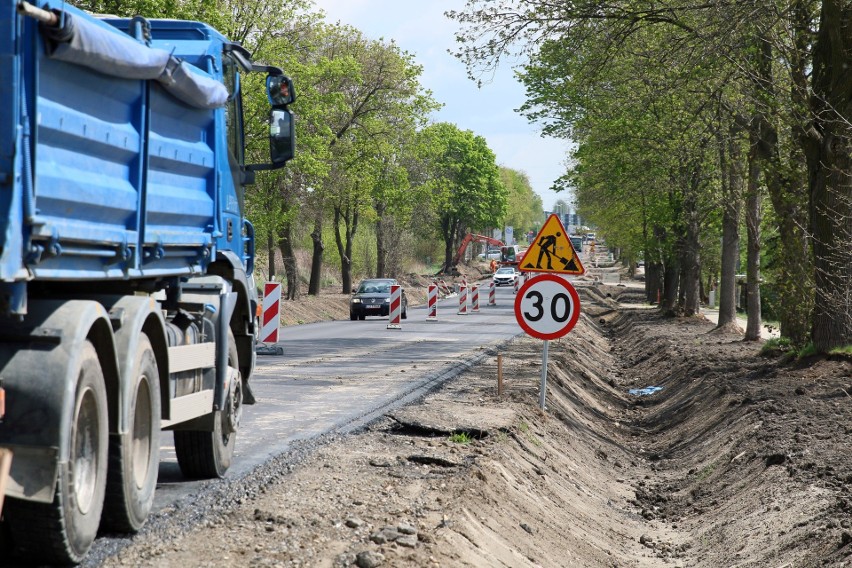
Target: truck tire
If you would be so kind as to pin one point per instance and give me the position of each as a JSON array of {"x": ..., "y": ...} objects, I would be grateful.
[
  {"x": 207, "y": 455},
  {"x": 61, "y": 532},
  {"x": 134, "y": 457}
]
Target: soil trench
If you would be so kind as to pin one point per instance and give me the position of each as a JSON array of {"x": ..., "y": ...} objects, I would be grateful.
[{"x": 720, "y": 457}]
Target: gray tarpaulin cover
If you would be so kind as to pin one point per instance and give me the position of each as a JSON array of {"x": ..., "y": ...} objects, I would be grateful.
[{"x": 86, "y": 43}]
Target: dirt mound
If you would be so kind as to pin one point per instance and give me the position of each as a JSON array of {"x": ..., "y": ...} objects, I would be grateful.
[{"x": 750, "y": 456}]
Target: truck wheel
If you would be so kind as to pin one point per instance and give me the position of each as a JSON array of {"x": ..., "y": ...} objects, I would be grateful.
[
  {"x": 62, "y": 532},
  {"x": 134, "y": 457},
  {"x": 205, "y": 455}
]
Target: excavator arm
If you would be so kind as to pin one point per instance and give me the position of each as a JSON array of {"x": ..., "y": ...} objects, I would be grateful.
[{"x": 468, "y": 238}]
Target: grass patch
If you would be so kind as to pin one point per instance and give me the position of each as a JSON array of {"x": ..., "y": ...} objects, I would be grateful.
[
  {"x": 783, "y": 346},
  {"x": 524, "y": 427},
  {"x": 776, "y": 346},
  {"x": 707, "y": 471},
  {"x": 461, "y": 438},
  {"x": 846, "y": 351},
  {"x": 807, "y": 351}
]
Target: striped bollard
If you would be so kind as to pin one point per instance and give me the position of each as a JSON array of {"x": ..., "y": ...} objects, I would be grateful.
[
  {"x": 271, "y": 318},
  {"x": 517, "y": 280},
  {"x": 462, "y": 300},
  {"x": 432, "y": 302},
  {"x": 474, "y": 298},
  {"x": 395, "y": 307},
  {"x": 492, "y": 294}
]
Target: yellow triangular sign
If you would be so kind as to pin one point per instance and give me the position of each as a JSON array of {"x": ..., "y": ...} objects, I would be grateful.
[{"x": 551, "y": 251}]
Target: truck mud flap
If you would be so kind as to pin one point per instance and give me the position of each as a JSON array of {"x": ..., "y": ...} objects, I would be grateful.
[{"x": 36, "y": 357}]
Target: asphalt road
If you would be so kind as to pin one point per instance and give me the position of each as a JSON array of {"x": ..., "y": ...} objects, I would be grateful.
[{"x": 336, "y": 376}]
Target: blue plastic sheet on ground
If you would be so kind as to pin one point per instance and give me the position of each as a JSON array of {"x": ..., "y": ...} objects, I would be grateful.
[{"x": 645, "y": 391}]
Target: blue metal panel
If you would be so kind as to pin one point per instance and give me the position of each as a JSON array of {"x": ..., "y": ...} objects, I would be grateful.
[
  {"x": 89, "y": 142},
  {"x": 130, "y": 182},
  {"x": 181, "y": 174},
  {"x": 11, "y": 239}
]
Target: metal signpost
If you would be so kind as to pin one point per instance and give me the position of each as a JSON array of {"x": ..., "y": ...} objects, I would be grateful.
[{"x": 547, "y": 307}]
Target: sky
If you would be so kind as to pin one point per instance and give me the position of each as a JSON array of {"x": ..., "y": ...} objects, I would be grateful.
[{"x": 420, "y": 27}]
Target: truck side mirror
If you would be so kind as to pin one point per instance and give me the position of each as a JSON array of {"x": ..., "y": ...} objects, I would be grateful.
[
  {"x": 279, "y": 90},
  {"x": 282, "y": 131},
  {"x": 282, "y": 136}
]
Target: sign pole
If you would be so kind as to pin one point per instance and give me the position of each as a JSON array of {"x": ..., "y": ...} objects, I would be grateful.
[{"x": 543, "y": 393}]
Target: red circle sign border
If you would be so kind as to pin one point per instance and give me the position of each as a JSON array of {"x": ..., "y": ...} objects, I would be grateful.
[{"x": 569, "y": 325}]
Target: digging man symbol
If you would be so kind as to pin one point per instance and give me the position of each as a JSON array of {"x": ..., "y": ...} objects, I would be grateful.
[
  {"x": 552, "y": 241},
  {"x": 548, "y": 247}
]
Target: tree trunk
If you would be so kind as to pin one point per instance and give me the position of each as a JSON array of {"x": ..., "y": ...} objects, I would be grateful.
[
  {"x": 345, "y": 243},
  {"x": 692, "y": 270},
  {"x": 732, "y": 207},
  {"x": 449, "y": 228},
  {"x": 688, "y": 241},
  {"x": 314, "y": 285},
  {"x": 829, "y": 155},
  {"x": 754, "y": 217},
  {"x": 381, "y": 254},
  {"x": 288, "y": 256},
  {"x": 671, "y": 275},
  {"x": 795, "y": 273},
  {"x": 270, "y": 250},
  {"x": 653, "y": 282},
  {"x": 657, "y": 289}
]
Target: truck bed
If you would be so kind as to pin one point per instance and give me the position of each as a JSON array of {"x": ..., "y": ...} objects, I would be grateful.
[{"x": 105, "y": 178}]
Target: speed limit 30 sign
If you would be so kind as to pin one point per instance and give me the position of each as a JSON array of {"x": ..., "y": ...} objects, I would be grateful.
[{"x": 547, "y": 307}]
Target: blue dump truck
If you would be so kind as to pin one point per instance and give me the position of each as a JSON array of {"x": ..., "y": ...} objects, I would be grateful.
[{"x": 126, "y": 299}]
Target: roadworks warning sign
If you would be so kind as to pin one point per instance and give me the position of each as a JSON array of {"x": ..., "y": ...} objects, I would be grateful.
[{"x": 551, "y": 251}]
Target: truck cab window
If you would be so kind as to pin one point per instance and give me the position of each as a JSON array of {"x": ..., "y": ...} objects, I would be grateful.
[{"x": 233, "y": 117}]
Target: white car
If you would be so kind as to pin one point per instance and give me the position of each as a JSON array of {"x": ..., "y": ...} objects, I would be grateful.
[
  {"x": 490, "y": 254},
  {"x": 505, "y": 276}
]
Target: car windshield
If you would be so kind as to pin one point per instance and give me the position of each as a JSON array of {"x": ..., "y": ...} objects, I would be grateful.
[
  {"x": 506, "y": 271},
  {"x": 375, "y": 287}
]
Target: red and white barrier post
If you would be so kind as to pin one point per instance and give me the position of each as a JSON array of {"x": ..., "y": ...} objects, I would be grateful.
[
  {"x": 463, "y": 300},
  {"x": 517, "y": 280},
  {"x": 395, "y": 307},
  {"x": 492, "y": 294},
  {"x": 474, "y": 298},
  {"x": 271, "y": 314},
  {"x": 432, "y": 302}
]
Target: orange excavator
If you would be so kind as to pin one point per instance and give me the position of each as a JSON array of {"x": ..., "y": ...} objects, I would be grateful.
[{"x": 468, "y": 238}]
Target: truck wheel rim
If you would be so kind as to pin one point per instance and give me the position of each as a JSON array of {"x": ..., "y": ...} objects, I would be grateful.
[
  {"x": 142, "y": 433},
  {"x": 234, "y": 407},
  {"x": 85, "y": 450}
]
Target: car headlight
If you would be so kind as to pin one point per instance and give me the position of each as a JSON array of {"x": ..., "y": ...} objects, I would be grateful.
[
  {"x": 356, "y": 300},
  {"x": 387, "y": 300}
]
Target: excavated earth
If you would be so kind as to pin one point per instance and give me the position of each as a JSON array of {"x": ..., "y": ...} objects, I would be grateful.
[{"x": 736, "y": 460}]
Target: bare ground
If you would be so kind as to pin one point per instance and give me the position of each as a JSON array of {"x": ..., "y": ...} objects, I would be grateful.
[{"x": 739, "y": 460}]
